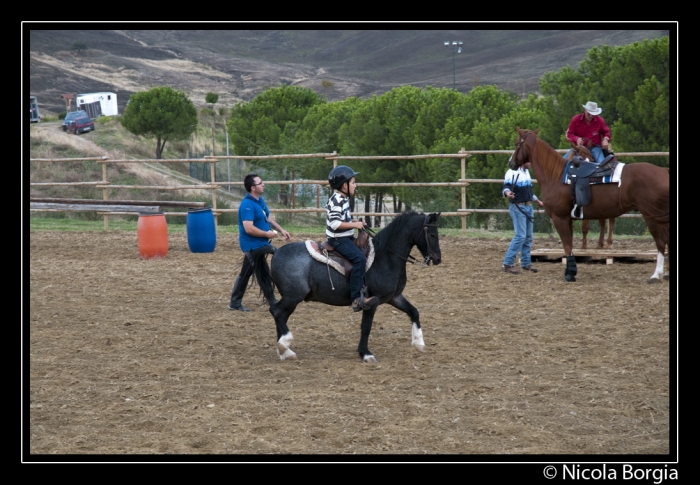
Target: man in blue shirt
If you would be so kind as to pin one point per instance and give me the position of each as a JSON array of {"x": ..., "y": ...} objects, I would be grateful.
[
  {"x": 254, "y": 222},
  {"x": 517, "y": 187}
]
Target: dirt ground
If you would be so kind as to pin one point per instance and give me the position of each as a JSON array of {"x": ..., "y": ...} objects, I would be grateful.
[{"x": 131, "y": 356}]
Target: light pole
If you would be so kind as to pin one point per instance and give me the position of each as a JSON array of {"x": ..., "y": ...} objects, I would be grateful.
[{"x": 456, "y": 46}]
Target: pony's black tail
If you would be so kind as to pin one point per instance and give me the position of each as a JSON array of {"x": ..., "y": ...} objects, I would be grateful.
[{"x": 261, "y": 270}]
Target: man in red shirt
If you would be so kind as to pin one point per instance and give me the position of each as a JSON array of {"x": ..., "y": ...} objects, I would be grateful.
[{"x": 590, "y": 127}]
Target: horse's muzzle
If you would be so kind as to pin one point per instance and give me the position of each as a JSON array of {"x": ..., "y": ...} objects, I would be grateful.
[{"x": 432, "y": 257}]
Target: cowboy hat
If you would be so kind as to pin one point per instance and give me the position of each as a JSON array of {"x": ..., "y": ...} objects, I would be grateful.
[{"x": 592, "y": 108}]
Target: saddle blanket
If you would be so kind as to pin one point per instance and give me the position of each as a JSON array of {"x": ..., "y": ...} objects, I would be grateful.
[
  {"x": 615, "y": 178},
  {"x": 315, "y": 253}
]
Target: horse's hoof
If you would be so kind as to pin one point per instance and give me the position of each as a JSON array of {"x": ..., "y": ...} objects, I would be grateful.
[
  {"x": 653, "y": 281},
  {"x": 287, "y": 355},
  {"x": 369, "y": 359},
  {"x": 570, "y": 278},
  {"x": 420, "y": 348}
]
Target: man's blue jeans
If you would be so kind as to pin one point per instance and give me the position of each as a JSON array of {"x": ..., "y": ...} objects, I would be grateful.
[
  {"x": 522, "y": 241},
  {"x": 596, "y": 151},
  {"x": 346, "y": 247}
]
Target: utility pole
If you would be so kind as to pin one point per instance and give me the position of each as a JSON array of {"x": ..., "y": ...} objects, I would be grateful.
[{"x": 456, "y": 46}]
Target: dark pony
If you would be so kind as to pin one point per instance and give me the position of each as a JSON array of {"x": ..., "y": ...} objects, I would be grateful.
[
  {"x": 299, "y": 277},
  {"x": 644, "y": 187}
]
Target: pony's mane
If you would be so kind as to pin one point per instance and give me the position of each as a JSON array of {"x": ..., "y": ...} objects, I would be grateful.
[
  {"x": 551, "y": 162},
  {"x": 393, "y": 230}
]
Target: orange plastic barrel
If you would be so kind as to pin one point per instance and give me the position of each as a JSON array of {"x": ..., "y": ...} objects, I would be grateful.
[{"x": 153, "y": 235}]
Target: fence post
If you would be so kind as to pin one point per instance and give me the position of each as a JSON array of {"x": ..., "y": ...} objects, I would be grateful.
[
  {"x": 212, "y": 166},
  {"x": 104, "y": 192},
  {"x": 464, "y": 194}
]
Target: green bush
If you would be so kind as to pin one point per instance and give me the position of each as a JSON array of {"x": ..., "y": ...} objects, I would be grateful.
[{"x": 103, "y": 120}]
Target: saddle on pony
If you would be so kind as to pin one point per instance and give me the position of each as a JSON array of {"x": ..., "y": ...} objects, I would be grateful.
[
  {"x": 581, "y": 174},
  {"x": 324, "y": 253}
]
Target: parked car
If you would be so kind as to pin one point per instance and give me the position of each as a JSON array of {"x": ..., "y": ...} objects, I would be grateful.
[
  {"x": 71, "y": 116},
  {"x": 80, "y": 125}
]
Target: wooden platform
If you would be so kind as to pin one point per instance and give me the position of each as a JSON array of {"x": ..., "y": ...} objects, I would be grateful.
[{"x": 609, "y": 256}]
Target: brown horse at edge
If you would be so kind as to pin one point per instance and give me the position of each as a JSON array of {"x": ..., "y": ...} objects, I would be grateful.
[{"x": 644, "y": 187}]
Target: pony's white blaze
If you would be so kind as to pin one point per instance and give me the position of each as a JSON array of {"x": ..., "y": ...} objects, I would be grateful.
[
  {"x": 656, "y": 277},
  {"x": 417, "y": 338},
  {"x": 283, "y": 350}
]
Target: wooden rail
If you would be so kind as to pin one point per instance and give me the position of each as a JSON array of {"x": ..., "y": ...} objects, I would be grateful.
[
  {"x": 166, "y": 203},
  {"x": 109, "y": 207}
]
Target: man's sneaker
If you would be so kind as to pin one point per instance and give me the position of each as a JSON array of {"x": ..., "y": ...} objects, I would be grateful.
[
  {"x": 240, "y": 308},
  {"x": 510, "y": 269},
  {"x": 530, "y": 268}
]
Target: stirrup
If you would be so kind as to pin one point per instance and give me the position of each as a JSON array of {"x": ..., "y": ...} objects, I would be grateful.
[
  {"x": 364, "y": 301},
  {"x": 573, "y": 212},
  {"x": 357, "y": 305}
]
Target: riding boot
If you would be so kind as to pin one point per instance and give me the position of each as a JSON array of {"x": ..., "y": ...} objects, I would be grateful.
[
  {"x": 239, "y": 288},
  {"x": 571, "y": 270}
]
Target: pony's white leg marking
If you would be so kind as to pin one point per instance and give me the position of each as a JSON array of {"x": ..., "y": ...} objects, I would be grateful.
[
  {"x": 417, "y": 338},
  {"x": 656, "y": 277},
  {"x": 283, "y": 350}
]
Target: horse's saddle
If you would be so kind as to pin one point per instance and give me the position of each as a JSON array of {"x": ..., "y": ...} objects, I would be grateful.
[
  {"x": 325, "y": 253},
  {"x": 582, "y": 174}
]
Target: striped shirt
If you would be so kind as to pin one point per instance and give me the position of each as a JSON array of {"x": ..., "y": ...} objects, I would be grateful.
[{"x": 337, "y": 211}]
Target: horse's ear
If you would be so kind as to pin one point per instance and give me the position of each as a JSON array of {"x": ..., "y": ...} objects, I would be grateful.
[
  {"x": 434, "y": 216},
  {"x": 517, "y": 128},
  {"x": 537, "y": 130}
]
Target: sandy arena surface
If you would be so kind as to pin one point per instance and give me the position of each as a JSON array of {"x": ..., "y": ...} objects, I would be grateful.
[{"x": 130, "y": 356}]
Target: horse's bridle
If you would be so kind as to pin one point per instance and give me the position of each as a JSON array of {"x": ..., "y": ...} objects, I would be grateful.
[
  {"x": 431, "y": 254},
  {"x": 424, "y": 229},
  {"x": 518, "y": 147}
]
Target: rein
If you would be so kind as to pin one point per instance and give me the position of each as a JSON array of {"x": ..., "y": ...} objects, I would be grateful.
[
  {"x": 409, "y": 258},
  {"x": 371, "y": 233}
]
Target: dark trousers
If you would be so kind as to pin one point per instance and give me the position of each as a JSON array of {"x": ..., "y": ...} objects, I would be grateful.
[
  {"x": 241, "y": 283},
  {"x": 346, "y": 247}
]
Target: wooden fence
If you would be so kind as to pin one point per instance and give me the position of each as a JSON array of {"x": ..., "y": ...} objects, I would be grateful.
[{"x": 108, "y": 207}]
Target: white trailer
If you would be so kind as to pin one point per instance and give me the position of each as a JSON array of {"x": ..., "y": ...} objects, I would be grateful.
[{"x": 97, "y": 104}]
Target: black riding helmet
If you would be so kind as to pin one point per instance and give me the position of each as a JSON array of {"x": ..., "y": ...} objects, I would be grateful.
[{"x": 339, "y": 175}]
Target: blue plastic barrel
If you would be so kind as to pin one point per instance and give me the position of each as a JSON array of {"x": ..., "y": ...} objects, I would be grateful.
[{"x": 201, "y": 230}]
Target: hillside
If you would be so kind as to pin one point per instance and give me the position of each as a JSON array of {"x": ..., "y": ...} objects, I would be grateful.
[{"x": 238, "y": 64}]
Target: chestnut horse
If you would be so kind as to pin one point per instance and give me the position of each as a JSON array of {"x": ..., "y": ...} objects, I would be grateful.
[
  {"x": 644, "y": 187},
  {"x": 584, "y": 152}
]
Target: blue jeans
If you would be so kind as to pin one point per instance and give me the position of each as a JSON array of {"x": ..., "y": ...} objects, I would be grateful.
[
  {"x": 522, "y": 241},
  {"x": 346, "y": 247},
  {"x": 597, "y": 153}
]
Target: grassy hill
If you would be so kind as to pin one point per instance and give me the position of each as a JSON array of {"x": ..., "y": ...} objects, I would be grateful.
[{"x": 238, "y": 64}]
